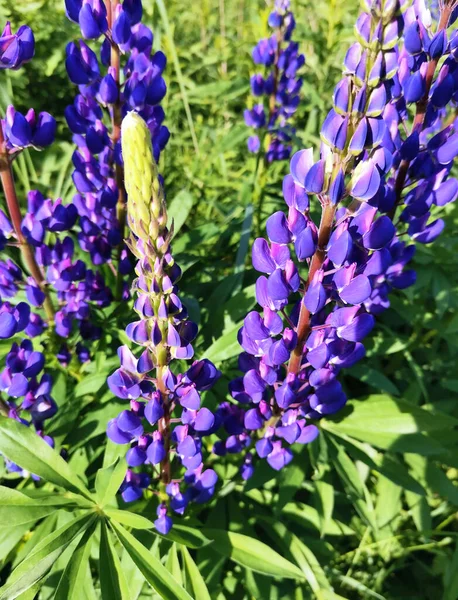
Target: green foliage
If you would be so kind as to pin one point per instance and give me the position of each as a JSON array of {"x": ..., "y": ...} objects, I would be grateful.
[{"x": 366, "y": 511}]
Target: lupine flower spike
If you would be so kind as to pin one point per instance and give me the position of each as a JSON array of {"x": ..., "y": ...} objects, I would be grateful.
[
  {"x": 126, "y": 76},
  {"x": 279, "y": 86},
  {"x": 165, "y": 413},
  {"x": 321, "y": 286}
]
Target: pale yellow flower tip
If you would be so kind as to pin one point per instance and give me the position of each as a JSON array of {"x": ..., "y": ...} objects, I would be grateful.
[{"x": 140, "y": 170}]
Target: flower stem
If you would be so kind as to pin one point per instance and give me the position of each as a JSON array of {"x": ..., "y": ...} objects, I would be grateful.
[
  {"x": 164, "y": 428},
  {"x": 303, "y": 326},
  {"x": 116, "y": 119},
  {"x": 9, "y": 188}
]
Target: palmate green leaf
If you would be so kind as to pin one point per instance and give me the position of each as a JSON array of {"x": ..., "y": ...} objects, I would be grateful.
[
  {"x": 305, "y": 515},
  {"x": 40, "y": 531},
  {"x": 389, "y": 466},
  {"x": 290, "y": 480},
  {"x": 113, "y": 584},
  {"x": 173, "y": 564},
  {"x": 302, "y": 555},
  {"x": 153, "y": 570},
  {"x": 419, "y": 510},
  {"x": 253, "y": 554},
  {"x": 10, "y": 537},
  {"x": 17, "y": 508},
  {"x": 108, "y": 481},
  {"x": 22, "y": 446},
  {"x": 388, "y": 506},
  {"x": 91, "y": 384},
  {"x": 391, "y": 424},
  {"x": 43, "y": 557},
  {"x": 432, "y": 477},
  {"x": 199, "y": 588},
  {"x": 130, "y": 519},
  {"x": 188, "y": 536},
  {"x": 375, "y": 379},
  {"x": 94, "y": 423},
  {"x": 73, "y": 578}
]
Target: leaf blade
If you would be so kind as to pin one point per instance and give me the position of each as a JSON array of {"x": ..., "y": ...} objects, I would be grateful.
[
  {"x": 29, "y": 451},
  {"x": 252, "y": 553},
  {"x": 153, "y": 570}
]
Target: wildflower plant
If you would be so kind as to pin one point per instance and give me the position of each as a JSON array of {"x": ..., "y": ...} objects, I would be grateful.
[
  {"x": 115, "y": 416},
  {"x": 315, "y": 320},
  {"x": 279, "y": 86},
  {"x": 167, "y": 403}
]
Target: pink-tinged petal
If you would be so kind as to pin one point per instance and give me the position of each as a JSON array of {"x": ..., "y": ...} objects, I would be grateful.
[
  {"x": 300, "y": 165},
  {"x": 366, "y": 182}
]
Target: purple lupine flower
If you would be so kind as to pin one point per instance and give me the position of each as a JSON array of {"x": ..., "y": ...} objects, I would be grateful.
[
  {"x": 28, "y": 394},
  {"x": 279, "y": 86},
  {"x": 23, "y": 131},
  {"x": 165, "y": 409},
  {"x": 355, "y": 257},
  {"x": 97, "y": 176},
  {"x": 26, "y": 388},
  {"x": 16, "y": 48}
]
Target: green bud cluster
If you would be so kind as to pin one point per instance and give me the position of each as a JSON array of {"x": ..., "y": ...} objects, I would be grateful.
[
  {"x": 146, "y": 210},
  {"x": 150, "y": 243}
]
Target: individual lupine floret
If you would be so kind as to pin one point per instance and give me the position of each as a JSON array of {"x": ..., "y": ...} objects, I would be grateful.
[
  {"x": 165, "y": 408},
  {"x": 29, "y": 130},
  {"x": 16, "y": 48},
  {"x": 294, "y": 351},
  {"x": 280, "y": 86}
]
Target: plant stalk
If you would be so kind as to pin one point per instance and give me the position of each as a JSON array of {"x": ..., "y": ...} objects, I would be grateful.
[
  {"x": 116, "y": 119},
  {"x": 303, "y": 326},
  {"x": 14, "y": 210},
  {"x": 164, "y": 428}
]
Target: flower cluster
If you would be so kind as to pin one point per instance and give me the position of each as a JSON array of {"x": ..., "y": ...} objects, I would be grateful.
[
  {"x": 29, "y": 130},
  {"x": 128, "y": 76},
  {"x": 280, "y": 86},
  {"x": 22, "y": 131},
  {"x": 314, "y": 324},
  {"x": 159, "y": 397},
  {"x": 26, "y": 388},
  {"x": 29, "y": 399},
  {"x": 77, "y": 286}
]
